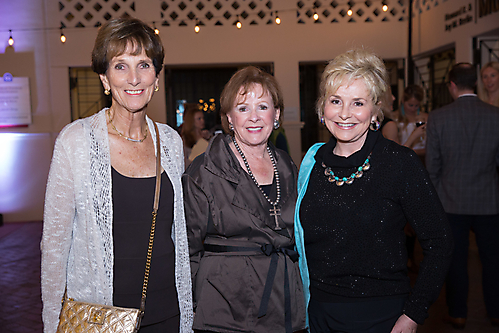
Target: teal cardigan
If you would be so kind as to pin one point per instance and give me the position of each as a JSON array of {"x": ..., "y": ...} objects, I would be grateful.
[{"x": 305, "y": 169}]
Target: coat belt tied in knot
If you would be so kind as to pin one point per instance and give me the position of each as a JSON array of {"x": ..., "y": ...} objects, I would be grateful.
[
  {"x": 270, "y": 250},
  {"x": 273, "y": 252}
]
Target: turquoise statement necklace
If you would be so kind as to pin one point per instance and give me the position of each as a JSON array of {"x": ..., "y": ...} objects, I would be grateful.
[{"x": 332, "y": 178}]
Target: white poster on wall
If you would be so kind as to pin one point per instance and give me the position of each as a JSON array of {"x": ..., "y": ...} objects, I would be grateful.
[{"x": 15, "y": 103}]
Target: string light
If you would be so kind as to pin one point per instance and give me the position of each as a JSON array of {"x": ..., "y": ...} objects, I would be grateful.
[
  {"x": 385, "y": 6},
  {"x": 11, "y": 40},
  {"x": 63, "y": 38},
  {"x": 196, "y": 28}
]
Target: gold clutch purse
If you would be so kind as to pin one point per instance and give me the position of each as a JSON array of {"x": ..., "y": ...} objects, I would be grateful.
[
  {"x": 96, "y": 318},
  {"x": 83, "y": 317}
]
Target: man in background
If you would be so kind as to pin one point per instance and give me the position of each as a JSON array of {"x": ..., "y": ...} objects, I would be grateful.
[{"x": 462, "y": 152}]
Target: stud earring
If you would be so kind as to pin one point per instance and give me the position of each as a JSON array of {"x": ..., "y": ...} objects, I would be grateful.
[
  {"x": 156, "y": 88},
  {"x": 107, "y": 92},
  {"x": 276, "y": 124}
]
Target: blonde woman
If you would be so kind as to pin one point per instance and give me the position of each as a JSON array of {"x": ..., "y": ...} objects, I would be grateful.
[
  {"x": 489, "y": 88},
  {"x": 355, "y": 194}
]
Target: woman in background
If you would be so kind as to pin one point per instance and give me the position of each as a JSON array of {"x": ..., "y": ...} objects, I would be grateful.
[
  {"x": 100, "y": 194},
  {"x": 194, "y": 134},
  {"x": 412, "y": 121},
  {"x": 355, "y": 194},
  {"x": 489, "y": 90}
]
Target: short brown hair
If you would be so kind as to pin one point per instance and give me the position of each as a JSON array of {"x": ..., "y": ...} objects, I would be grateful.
[
  {"x": 463, "y": 75},
  {"x": 114, "y": 36},
  {"x": 244, "y": 79},
  {"x": 358, "y": 64}
]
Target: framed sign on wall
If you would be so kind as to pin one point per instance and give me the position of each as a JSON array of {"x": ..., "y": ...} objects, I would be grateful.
[{"x": 15, "y": 102}]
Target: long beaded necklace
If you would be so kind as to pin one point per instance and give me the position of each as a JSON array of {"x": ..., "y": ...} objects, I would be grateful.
[
  {"x": 274, "y": 211},
  {"x": 123, "y": 135},
  {"x": 347, "y": 180}
]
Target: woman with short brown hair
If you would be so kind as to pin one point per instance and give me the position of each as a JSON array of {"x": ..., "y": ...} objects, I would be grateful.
[
  {"x": 239, "y": 200},
  {"x": 101, "y": 189}
]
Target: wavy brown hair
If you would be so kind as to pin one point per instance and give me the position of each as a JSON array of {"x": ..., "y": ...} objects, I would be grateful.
[{"x": 241, "y": 83}]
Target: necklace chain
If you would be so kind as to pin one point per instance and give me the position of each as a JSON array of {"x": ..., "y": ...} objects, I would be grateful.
[
  {"x": 123, "y": 135},
  {"x": 347, "y": 180},
  {"x": 275, "y": 212}
]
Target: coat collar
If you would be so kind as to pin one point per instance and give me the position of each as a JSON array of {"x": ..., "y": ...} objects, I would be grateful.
[{"x": 220, "y": 160}]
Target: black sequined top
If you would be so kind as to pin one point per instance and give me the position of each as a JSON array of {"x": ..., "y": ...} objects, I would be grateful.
[{"x": 354, "y": 234}]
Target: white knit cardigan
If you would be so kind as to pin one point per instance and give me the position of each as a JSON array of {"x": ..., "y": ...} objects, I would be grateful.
[{"x": 77, "y": 241}]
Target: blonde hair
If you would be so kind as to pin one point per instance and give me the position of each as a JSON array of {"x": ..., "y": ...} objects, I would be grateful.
[
  {"x": 482, "y": 92},
  {"x": 357, "y": 64}
]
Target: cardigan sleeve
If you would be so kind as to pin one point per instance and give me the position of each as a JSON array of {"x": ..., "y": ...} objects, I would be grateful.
[
  {"x": 59, "y": 214},
  {"x": 173, "y": 163},
  {"x": 423, "y": 210},
  {"x": 197, "y": 216}
]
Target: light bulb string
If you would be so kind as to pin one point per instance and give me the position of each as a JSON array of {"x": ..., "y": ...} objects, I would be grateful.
[{"x": 200, "y": 22}]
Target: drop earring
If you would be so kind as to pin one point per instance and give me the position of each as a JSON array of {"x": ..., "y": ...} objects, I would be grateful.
[
  {"x": 276, "y": 124},
  {"x": 375, "y": 125},
  {"x": 231, "y": 127}
]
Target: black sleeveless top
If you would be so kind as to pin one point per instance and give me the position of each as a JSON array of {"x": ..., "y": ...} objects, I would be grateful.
[{"x": 132, "y": 207}]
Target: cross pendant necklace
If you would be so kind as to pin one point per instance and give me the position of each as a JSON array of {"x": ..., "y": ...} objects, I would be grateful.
[{"x": 274, "y": 211}]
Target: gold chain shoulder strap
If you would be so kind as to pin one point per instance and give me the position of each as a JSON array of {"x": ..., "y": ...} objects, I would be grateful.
[{"x": 153, "y": 224}]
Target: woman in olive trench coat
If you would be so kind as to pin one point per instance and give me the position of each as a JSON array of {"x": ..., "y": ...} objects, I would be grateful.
[{"x": 236, "y": 245}]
